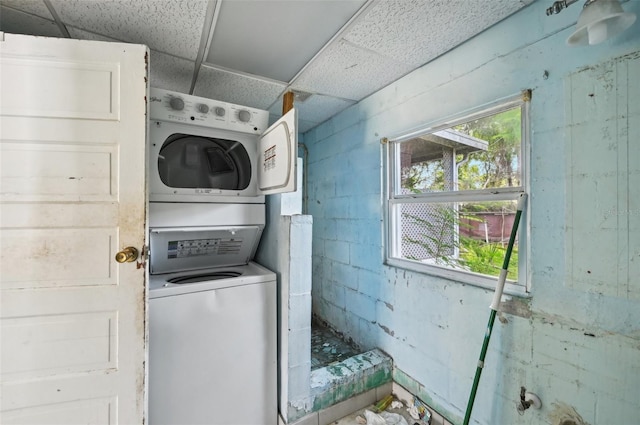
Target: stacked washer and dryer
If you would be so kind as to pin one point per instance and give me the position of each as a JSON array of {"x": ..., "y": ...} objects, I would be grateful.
[{"x": 212, "y": 310}]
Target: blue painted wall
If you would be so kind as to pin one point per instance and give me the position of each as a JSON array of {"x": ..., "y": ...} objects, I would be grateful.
[{"x": 576, "y": 341}]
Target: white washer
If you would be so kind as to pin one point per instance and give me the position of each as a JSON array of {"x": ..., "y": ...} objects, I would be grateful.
[
  {"x": 212, "y": 347},
  {"x": 212, "y": 311}
]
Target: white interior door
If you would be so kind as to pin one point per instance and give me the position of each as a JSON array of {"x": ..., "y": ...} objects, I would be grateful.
[{"x": 72, "y": 194}]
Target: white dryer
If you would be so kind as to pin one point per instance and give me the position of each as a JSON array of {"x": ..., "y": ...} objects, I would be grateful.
[{"x": 204, "y": 150}]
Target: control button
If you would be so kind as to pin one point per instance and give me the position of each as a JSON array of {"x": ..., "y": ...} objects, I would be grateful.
[
  {"x": 202, "y": 108},
  {"x": 244, "y": 115},
  {"x": 219, "y": 111},
  {"x": 176, "y": 103}
]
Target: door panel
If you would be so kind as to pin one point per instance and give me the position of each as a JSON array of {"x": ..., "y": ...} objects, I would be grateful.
[
  {"x": 60, "y": 344},
  {"x": 72, "y": 145},
  {"x": 73, "y": 413},
  {"x": 42, "y": 171},
  {"x": 65, "y": 266},
  {"x": 82, "y": 89}
]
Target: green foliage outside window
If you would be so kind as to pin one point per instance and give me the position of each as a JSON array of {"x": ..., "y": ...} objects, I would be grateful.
[{"x": 495, "y": 167}]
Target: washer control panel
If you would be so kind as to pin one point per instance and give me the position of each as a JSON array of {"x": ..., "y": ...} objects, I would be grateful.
[{"x": 165, "y": 105}]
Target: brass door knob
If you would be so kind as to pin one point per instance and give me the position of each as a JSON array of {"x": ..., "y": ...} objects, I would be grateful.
[{"x": 127, "y": 255}]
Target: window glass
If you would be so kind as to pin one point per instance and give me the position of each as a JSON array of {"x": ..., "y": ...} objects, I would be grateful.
[
  {"x": 453, "y": 195},
  {"x": 480, "y": 154},
  {"x": 464, "y": 236}
]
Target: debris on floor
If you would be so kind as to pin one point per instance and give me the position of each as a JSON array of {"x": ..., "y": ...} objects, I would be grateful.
[
  {"x": 382, "y": 405},
  {"x": 419, "y": 411},
  {"x": 327, "y": 347},
  {"x": 389, "y": 411},
  {"x": 383, "y": 418}
]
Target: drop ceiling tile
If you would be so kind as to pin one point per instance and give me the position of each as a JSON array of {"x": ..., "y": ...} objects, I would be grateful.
[
  {"x": 416, "y": 31},
  {"x": 86, "y": 35},
  {"x": 316, "y": 109},
  {"x": 166, "y": 71},
  {"x": 12, "y": 21},
  {"x": 276, "y": 38},
  {"x": 34, "y": 7},
  {"x": 169, "y": 26},
  {"x": 170, "y": 73},
  {"x": 347, "y": 71},
  {"x": 234, "y": 88}
]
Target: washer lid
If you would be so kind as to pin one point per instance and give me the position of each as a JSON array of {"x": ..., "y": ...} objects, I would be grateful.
[{"x": 192, "y": 248}]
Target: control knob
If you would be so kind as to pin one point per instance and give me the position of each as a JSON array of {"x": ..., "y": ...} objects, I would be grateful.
[
  {"x": 219, "y": 111},
  {"x": 176, "y": 103},
  {"x": 202, "y": 108},
  {"x": 244, "y": 115}
]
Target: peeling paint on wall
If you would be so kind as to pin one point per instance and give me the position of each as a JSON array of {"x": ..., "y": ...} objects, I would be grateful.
[{"x": 387, "y": 330}]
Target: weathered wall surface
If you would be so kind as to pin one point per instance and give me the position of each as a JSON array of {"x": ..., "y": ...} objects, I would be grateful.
[
  {"x": 285, "y": 248},
  {"x": 576, "y": 341}
]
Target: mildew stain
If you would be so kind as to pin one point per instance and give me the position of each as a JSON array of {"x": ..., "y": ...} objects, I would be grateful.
[
  {"x": 517, "y": 307},
  {"x": 563, "y": 414}
]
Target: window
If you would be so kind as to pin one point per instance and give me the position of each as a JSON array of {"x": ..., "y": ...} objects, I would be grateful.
[{"x": 452, "y": 196}]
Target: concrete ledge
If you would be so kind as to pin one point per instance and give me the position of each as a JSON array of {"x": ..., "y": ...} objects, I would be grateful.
[
  {"x": 350, "y": 377},
  {"x": 358, "y": 378},
  {"x": 339, "y": 410}
]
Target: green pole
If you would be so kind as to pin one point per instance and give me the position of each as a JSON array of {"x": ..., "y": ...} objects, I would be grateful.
[{"x": 495, "y": 304}]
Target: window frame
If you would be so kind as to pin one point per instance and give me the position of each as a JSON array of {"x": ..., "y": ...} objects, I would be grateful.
[{"x": 393, "y": 198}]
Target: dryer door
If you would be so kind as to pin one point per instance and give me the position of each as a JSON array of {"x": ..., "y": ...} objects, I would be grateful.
[{"x": 277, "y": 156}]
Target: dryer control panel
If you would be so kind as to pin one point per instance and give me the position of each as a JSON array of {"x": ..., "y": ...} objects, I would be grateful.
[{"x": 165, "y": 105}]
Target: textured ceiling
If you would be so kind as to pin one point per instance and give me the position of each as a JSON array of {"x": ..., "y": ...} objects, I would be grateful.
[{"x": 251, "y": 52}]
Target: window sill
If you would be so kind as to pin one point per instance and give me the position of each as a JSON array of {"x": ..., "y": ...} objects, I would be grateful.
[{"x": 467, "y": 278}]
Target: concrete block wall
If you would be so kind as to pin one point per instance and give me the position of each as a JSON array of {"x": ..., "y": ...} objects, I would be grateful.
[
  {"x": 344, "y": 192},
  {"x": 285, "y": 248},
  {"x": 298, "y": 308},
  {"x": 576, "y": 340}
]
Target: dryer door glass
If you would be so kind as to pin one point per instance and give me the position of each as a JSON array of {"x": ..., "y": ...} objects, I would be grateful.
[{"x": 188, "y": 161}]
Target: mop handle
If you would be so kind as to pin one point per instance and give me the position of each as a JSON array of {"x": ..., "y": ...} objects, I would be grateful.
[
  {"x": 495, "y": 304},
  {"x": 497, "y": 295}
]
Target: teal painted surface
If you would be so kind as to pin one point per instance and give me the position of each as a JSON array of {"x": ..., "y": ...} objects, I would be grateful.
[
  {"x": 343, "y": 380},
  {"x": 576, "y": 342},
  {"x": 418, "y": 390}
]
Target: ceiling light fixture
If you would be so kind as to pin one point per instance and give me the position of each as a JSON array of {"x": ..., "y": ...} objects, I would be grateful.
[{"x": 598, "y": 21}]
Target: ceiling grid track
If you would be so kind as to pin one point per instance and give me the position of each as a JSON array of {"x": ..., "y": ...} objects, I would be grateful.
[
  {"x": 306, "y": 94},
  {"x": 56, "y": 18},
  {"x": 336, "y": 37},
  {"x": 211, "y": 17}
]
